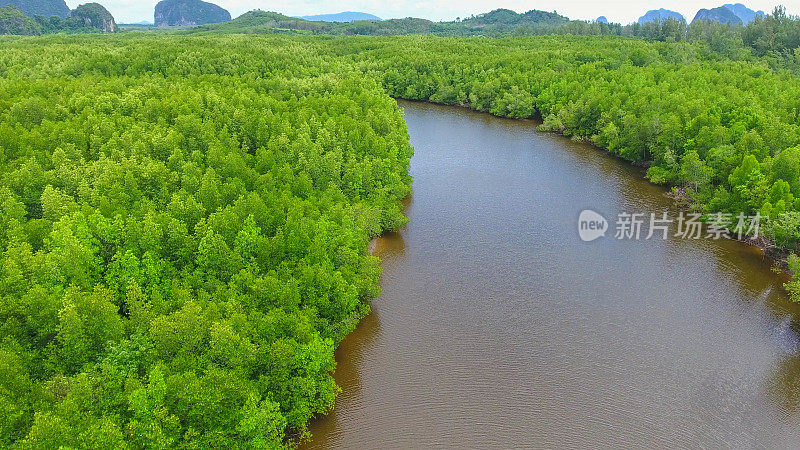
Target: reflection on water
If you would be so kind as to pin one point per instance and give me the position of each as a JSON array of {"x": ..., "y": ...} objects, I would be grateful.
[
  {"x": 498, "y": 327},
  {"x": 785, "y": 384},
  {"x": 390, "y": 245}
]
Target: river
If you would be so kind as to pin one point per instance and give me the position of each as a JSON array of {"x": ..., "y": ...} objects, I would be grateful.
[{"x": 497, "y": 326}]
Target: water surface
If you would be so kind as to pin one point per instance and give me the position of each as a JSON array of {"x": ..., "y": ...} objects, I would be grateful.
[{"x": 499, "y": 327}]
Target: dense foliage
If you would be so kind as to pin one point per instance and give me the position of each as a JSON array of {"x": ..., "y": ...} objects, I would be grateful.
[
  {"x": 183, "y": 231},
  {"x": 505, "y": 23},
  {"x": 775, "y": 36},
  {"x": 185, "y": 219}
]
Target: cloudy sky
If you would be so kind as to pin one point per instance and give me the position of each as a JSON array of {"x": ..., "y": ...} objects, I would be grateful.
[{"x": 623, "y": 11}]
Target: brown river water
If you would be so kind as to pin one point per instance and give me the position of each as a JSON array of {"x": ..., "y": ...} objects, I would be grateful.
[{"x": 498, "y": 327}]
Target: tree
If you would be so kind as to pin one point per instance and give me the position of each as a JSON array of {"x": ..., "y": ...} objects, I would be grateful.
[{"x": 694, "y": 170}]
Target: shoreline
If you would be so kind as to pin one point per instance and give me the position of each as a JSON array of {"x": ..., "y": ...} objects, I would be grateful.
[{"x": 372, "y": 246}]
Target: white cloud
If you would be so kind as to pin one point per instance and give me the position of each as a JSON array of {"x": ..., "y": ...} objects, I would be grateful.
[{"x": 622, "y": 11}]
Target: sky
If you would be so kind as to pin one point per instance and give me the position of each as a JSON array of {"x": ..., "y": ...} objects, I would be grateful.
[{"x": 623, "y": 11}]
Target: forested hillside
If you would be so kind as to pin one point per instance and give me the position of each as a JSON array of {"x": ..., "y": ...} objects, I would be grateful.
[
  {"x": 44, "y": 8},
  {"x": 184, "y": 231},
  {"x": 94, "y": 15},
  {"x": 14, "y": 21},
  {"x": 181, "y": 13},
  {"x": 500, "y": 22}
]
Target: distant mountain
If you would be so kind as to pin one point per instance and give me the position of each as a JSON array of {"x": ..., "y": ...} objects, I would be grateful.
[
  {"x": 256, "y": 19},
  {"x": 720, "y": 14},
  {"x": 14, "y": 21},
  {"x": 501, "y": 17},
  {"x": 347, "y": 16},
  {"x": 44, "y": 8},
  {"x": 660, "y": 15},
  {"x": 601, "y": 19},
  {"x": 181, "y": 13},
  {"x": 500, "y": 22},
  {"x": 743, "y": 12},
  {"x": 95, "y": 15}
]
